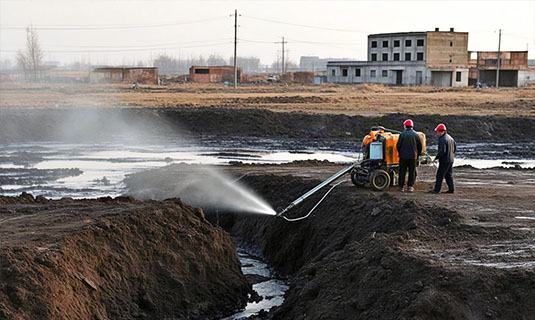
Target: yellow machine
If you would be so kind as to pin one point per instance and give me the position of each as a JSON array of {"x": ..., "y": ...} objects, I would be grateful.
[
  {"x": 380, "y": 164},
  {"x": 379, "y": 167}
]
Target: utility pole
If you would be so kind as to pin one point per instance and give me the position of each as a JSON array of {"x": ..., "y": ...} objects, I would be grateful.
[
  {"x": 283, "y": 66},
  {"x": 477, "y": 67},
  {"x": 498, "y": 61},
  {"x": 235, "y": 48}
]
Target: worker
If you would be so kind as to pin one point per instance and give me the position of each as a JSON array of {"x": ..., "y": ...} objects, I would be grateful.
[
  {"x": 445, "y": 158},
  {"x": 409, "y": 148}
]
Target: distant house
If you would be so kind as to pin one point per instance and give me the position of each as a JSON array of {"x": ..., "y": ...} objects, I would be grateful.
[
  {"x": 146, "y": 75},
  {"x": 213, "y": 74},
  {"x": 514, "y": 68},
  {"x": 437, "y": 58}
]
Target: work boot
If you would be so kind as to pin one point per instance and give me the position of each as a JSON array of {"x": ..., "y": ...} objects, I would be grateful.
[
  {"x": 433, "y": 191},
  {"x": 449, "y": 191},
  {"x": 411, "y": 189}
]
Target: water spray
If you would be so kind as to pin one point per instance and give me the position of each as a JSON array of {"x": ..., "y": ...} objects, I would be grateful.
[{"x": 314, "y": 190}]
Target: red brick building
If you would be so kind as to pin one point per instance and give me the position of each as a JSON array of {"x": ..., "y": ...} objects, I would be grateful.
[{"x": 213, "y": 74}]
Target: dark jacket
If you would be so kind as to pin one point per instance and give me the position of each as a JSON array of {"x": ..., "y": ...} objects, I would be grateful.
[
  {"x": 409, "y": 145},
  {"x": 446, "y": 149}
]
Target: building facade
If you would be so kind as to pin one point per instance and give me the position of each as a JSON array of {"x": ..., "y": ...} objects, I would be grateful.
[
  {"x": 408, "y": 58},
  {"x": 213, "y": 74},
  {"x": 147, "y": 75},
  {"x": 514, "y": 68}
]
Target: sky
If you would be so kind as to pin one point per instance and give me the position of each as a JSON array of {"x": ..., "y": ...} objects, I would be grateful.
[{"x": 123, "y": 32}]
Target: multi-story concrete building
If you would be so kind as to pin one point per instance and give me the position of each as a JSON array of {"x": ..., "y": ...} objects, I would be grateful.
[{"x": 408, "y": 58}]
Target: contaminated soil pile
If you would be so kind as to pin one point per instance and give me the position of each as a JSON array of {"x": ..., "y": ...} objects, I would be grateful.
[
  {"x": 361, "y": 255},
  {"x": 114, "y": 259}
]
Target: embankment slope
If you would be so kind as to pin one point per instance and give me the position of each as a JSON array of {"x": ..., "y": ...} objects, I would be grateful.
[{"x": 114, "y": 259}]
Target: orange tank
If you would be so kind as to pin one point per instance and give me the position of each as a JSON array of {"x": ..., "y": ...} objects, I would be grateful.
[{"x": 391, "y": 156}]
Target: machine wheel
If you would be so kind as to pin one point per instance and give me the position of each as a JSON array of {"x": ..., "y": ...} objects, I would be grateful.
[
  {"x": 380, "y": 180},
  {"x": 356, "y": 181}
]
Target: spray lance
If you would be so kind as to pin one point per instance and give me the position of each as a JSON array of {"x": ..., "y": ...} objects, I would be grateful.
[{"x": 297, "y": 201}]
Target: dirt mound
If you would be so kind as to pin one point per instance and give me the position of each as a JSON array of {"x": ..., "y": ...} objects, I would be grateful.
[
  {"x": 276, "y": 100},
  {"x": 357, "y": 257},
  {"x": 114, "y": 259},
  {"x": 224, "y": 123}
]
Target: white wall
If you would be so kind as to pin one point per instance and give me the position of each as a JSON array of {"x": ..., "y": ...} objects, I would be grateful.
[{"x": 526, "y": 77}]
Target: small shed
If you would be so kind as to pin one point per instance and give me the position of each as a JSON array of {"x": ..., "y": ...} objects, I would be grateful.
[
  {"x": 145, "y": 75},
  {"x": 213, "y": 74}
]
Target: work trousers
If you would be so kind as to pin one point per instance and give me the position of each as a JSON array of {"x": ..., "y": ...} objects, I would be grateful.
[
  {"x": 405, "y": 164},
  {"x": 445, "y": 170}
]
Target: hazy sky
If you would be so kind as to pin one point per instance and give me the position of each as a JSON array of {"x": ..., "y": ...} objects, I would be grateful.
[{"x": 121, "y": 32}]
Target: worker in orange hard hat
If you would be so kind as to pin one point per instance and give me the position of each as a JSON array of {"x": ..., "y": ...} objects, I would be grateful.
[
  {"x": 445, "y": 158},
  {"x": 409, "y": 148}
]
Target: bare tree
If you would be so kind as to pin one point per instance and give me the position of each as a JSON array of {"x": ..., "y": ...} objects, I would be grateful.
[{"x": 31, "y": 59}]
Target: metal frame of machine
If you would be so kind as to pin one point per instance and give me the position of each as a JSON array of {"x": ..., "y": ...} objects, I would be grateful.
[{"x": 379, "y": 167}]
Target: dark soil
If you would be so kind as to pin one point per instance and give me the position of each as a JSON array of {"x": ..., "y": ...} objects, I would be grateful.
[
  {"x": 31, "y": 176},
  {"x": 368, "y": 255},
  {"x": 219, "y": 123},
  {"x": 357, "y": 257},
  {"x": 114, "y": 259}
]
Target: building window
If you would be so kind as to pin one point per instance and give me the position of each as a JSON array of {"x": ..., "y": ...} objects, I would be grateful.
[
  {"x": 408, "y": 43},
  {"x": 372, "y": 73},
  {"x": 451, "y": 59},
  {"x": 357, "y": 72},
  {"x": 407, "y": 56},
  {"x": 344, "y": 72},
  {"x": 451, "y": 43},
  {"x": 396, "y": 43},
  {"x": 384, "y": 73},
  {"x": 374, "y": 44},
  {"x": 396, "y": 56},
  {"x": 420, "y": 56},
  {"x": 385, "y": 44},
  {"x": 385, "y": 56},
  {"x": 202, "y": 71},
  {"x": 458, "y": 76},
  {"x": 374, "y": 56},
  {"x": 420, "y": 42},
  {"x": 333, "y": 72}
]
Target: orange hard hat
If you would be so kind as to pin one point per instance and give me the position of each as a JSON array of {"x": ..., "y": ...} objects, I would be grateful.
[
  {"x": 408, "y": 123},
  {"x": 441, "y": 127}
]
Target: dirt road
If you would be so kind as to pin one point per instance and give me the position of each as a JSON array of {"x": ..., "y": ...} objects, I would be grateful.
[{"x": 365, "y": 100}]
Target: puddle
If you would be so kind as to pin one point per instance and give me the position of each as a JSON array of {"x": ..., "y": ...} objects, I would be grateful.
[
  {"x": 525, "y": 218},
  {"x": 105, "y": 165},
  {"x": 272, "y": 290}
]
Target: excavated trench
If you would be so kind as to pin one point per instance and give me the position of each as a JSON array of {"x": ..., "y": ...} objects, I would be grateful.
[
  {"x": 357, "y": 257},
  {"x": 361, "y": 255},
  {"x": 364, "y": 255}
]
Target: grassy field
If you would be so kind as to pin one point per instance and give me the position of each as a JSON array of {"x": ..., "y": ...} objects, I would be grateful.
[{"x": 327, "y": 98}]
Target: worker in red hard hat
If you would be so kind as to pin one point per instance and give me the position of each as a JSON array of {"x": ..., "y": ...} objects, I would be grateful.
[
  {"x": 409, "y": 148},
  {"x": 445, "y": 158}
]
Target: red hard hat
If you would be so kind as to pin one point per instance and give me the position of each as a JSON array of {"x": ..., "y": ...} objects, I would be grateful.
[
  {"x": 441, "y": 127},
  {"x": 408, "y": 123}
]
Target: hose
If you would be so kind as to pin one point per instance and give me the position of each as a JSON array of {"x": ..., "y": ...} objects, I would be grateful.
[{"x": 317, "y": 204}]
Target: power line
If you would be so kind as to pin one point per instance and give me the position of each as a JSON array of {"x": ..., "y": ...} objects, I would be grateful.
[
  {"x": 87, "y": 27},
  {"x": 128, "y": 50},
  {"x": 136, "y": 46},
  {"x": 304, "y": 25}
]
